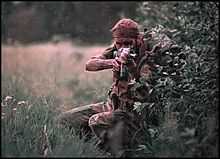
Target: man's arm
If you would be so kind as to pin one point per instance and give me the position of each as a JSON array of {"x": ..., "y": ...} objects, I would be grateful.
[{"x": 99, "y": 63}]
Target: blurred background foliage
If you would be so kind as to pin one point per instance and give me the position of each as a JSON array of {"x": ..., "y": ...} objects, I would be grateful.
[
  {"x": 74, "y": 20},
  {"x": 187, "y": 102}
]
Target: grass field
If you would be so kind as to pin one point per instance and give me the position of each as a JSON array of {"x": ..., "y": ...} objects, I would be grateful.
[
  {"x": 38, "y": 82},
  {"x": 41, "y": 80},
  {"x": 57, "y": 69},
  {"x": 48, "y": 78}
]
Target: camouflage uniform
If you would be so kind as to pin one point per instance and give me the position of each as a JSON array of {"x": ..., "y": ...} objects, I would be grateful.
[
  {"x": 121, "y": 96},
  {"x": 115, "y": 118}
]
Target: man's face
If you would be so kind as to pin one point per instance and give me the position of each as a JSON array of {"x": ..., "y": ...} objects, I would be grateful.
[{"x": 124, "y": 42}]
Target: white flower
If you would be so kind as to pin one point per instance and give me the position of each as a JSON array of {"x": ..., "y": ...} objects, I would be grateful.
[
  {"x": 7, "y": 98},
  {"x": 21, "y": 102}
]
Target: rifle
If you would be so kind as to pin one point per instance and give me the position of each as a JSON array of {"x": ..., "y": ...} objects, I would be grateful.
[{"x": 123, "y": 68}]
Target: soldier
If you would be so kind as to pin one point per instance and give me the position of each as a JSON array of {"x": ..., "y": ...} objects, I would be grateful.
[{"x": 114, "y": 120}]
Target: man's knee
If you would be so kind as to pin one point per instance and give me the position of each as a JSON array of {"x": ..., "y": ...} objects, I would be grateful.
[{"x": 76, "y": 116}]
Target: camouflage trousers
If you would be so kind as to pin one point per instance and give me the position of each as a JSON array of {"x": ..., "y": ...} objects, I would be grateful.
[{"x": 116, "y": 130}]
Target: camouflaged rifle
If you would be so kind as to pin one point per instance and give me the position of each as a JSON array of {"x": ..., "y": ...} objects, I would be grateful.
[{"x": 124, "y": 73}]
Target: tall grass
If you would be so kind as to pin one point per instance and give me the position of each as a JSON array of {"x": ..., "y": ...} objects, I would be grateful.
[
  {"x": 29, "y": 129},
  {"x": 39, "y": 81},
  {"x": 58, "y": 70}
]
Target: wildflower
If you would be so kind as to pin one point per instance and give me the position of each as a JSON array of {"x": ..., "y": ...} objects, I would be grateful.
[
  {"x": 3, "y": 115},
  {"x": 21, "y": 102},
  {"x": 7, "y": 98}
]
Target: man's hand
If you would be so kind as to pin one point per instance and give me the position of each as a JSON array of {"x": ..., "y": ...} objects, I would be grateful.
[
  {"x": 121, "y": 59},
  {"x": 116, "y": 64},
  {"x": 124, "y": 53}
]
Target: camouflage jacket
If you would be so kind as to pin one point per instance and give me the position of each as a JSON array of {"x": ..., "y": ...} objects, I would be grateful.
[
  {"x": 137, "y": 88},
  {"x": 124, "y": 93},
  {"x": 152, "y": 53}
]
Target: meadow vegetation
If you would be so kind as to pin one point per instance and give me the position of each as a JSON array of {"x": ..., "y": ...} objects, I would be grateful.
[
  {"x": 36, "y": 88},
  {"x": 41, "y": 80}
]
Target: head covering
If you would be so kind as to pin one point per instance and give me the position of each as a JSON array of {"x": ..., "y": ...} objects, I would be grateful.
[{"x": 125, "y": 28}]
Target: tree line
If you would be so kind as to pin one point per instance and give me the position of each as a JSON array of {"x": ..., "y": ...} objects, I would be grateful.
[{"x": 86, "y": 21}]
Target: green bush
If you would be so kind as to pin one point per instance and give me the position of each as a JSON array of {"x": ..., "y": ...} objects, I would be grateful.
[{"x": 189, "y": 98}]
